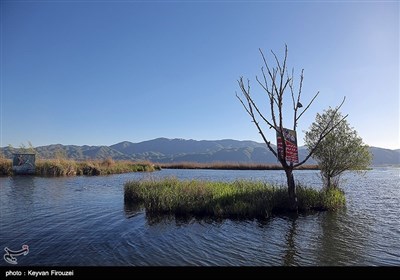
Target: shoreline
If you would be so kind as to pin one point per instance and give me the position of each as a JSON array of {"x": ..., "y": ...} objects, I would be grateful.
[
  {"x": 68, "y": 167},
  {"x": 231, "y": 166}
]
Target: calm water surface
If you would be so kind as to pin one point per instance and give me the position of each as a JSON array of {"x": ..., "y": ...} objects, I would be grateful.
[{"x": 83, "y": 221}]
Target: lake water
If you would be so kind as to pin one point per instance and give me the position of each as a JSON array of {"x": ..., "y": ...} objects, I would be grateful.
[{"x": 82, "y": 221}]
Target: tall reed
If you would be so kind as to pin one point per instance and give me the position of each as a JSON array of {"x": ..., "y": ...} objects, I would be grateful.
[{"x": 5, "y": 167}]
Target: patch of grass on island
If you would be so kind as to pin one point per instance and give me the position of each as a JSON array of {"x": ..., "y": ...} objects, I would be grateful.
[
  {"x": 239, "y": 199},
  {"x": 66, "y": 167}
]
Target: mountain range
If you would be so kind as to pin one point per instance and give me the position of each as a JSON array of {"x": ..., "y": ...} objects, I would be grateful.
[{"x": 164, "y": 150}]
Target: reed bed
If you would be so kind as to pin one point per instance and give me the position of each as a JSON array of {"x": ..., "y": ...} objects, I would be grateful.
[
  {"x": 65, "y": 167},
  {"x": 238, "y": 199},
  {"x": 231, "y": 166}
]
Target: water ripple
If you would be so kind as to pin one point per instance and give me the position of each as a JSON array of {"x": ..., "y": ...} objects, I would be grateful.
[{"x": 84, "y": 221}]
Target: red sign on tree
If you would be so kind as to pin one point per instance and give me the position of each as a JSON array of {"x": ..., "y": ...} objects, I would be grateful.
[{"x": 291, "y": 145}]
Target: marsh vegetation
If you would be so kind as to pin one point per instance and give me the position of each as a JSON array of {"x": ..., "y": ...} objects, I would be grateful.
[
  {"x": 231, "y": 166},
  {"x": 238, "y": 199},
  {"x": 67, "y": 167}
]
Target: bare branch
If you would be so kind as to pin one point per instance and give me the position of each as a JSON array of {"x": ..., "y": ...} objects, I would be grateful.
[
  {"x": 292, "y": 91},
  {"x": 272, "y": 74},
  {"x": 261, "y": 115},
  {"x": 271, "y": 93},
  {"x": 272, "y": 100},
  {"x": 251, "y": 103},
  {"x": 282, "y": 69},
  {"x": 328, "y": 128},
  {"x": 244, "y": 106},
  {"x": 285, "y": 85},
  {"x": 264, "y": 87},
  {"x": 321, "y": 137},
  {"x": 249, "y": 110},
  {"x": 308, "y": 106},
  {"x": 301, "y": 85},
  {"x": 265, "y": 62},
  {"x": 296, "y": 104}
]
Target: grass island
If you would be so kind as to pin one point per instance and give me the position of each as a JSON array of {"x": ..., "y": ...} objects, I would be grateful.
[{"x": 238, "y": 199}]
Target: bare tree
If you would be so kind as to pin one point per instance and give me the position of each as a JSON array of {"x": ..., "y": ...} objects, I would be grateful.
[{"x": 275, "y": 82}]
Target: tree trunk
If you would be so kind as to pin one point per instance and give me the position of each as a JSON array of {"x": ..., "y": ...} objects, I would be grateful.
[
  {"x": 291, "y": 190},
  {"x": 329, "y": 182}
]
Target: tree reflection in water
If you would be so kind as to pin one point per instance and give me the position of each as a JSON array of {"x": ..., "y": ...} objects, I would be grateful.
[{"x": 291, "y": 250}]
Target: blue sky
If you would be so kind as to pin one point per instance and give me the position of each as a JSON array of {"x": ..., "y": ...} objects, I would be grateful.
[{"x": 102, "y": 72}]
